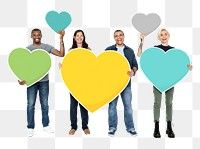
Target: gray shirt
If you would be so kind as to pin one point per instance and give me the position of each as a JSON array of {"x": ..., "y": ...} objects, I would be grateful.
[{"x": 45, "y": 47}]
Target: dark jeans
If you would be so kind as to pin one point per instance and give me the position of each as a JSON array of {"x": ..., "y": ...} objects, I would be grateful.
[
  {"x": 73, "y": 114},
  {"x": 43, "y": 88}
]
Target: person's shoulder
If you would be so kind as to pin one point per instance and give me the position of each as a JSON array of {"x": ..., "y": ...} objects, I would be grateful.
[
  {"x": 170, "y": 47},
  {"x": 89, "y": 48},
  {"x": 129, "y": 49},
  {"x": 46, "y": 45},
  {"x": 158, "y": 46},
  {"x": 111, "y": 47},
  {"x": 30, "y": 47}
]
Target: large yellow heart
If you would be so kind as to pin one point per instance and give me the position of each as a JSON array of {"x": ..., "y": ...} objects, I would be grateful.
[{"x": 94, "y": 81}]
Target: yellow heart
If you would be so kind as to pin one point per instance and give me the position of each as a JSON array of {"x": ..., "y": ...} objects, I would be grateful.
[{"x": 94, "y": 81}]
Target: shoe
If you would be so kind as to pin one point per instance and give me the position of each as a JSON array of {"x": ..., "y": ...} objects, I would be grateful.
[
  {"x": 111, "y": 133},
  {"x": 169, "y": 130},
  {"x": 72, "y": 132},
  {"x": 30, "y": 132},
  {"x": 133, "y": 133},
  {"x": 156, "y": 133},
  {"x": 86, "y": 131},
  {"x": 48, "y": 129}
]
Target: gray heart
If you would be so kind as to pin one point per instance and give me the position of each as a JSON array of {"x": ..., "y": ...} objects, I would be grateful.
[{"x": 146, "y": 24}]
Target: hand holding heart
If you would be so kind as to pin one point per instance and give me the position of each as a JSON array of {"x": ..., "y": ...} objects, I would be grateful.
[
  {"x": 95, "y": 80},
  {"x": 164, "y": 69}
]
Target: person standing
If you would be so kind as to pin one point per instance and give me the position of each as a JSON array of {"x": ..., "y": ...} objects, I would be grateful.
[
  {"x": 42, "y": 86},
  {"x": 163, "y": 36},
  {"x": 126, "y": 94},
  {"x": 78, "y": 42}
]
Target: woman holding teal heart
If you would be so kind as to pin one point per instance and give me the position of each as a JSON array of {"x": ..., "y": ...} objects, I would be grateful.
[{"x": 163, "y": 36}]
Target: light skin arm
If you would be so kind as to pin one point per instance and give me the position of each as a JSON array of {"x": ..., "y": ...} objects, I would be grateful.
[
  {"x": 190, "y": 67},
  {"x": 60, "y": 53},
  {"x": 132, "y": 72},
  {"x": 139, "y": 53}
]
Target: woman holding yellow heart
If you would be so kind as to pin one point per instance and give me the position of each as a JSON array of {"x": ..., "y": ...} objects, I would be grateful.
[{"x": 78, "y": 42}]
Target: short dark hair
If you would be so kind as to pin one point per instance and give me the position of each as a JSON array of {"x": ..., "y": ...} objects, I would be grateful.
[
  {"x": 119, "y": 31},
  {"x": 35, "y": 29}
]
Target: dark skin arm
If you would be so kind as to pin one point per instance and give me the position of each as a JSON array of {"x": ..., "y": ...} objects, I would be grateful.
[
  {"x": 21, "y": 82},
  {"x": 55, "y": 52},
  {"x": 60, "y": 53}
]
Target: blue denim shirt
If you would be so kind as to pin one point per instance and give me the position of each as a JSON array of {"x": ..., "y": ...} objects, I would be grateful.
[{"x": 129, "y": 54}]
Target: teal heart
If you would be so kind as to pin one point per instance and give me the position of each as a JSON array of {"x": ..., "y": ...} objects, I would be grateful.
[
  {"x": 29, "y": 66},
  {"x": 164, "y": 69},
  {"x": 58, "y": 21}
]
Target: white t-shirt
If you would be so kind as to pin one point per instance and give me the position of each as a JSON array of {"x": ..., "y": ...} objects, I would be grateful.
[{"x": 120, "y": 50}]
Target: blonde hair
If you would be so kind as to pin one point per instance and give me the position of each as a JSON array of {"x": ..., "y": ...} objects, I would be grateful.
[{"x": 163, "y": 29}]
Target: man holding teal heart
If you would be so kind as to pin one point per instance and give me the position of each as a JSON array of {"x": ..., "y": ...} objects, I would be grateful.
[
  {"x": 163, "y": 36},
  {"x": 42, "y": 86}
]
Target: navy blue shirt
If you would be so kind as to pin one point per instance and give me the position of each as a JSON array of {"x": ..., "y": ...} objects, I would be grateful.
[{"x": 129, "y": 54}]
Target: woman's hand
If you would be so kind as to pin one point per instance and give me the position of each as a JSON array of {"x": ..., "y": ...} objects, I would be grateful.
[{"x": 190, "y": 67}]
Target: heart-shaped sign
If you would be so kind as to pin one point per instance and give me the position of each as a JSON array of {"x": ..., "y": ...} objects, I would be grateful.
[
  {"x": 29, "y": 66},
  {"x": 58, "y": 21},
  {"x": 146, "y": 24},
  {"x": 164, "y": 69},
  {"x": 94, "y": 81}
]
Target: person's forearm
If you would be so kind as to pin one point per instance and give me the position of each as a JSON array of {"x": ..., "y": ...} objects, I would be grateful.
[
  {"x": 139, "y": 53},
  {"x": 62, "y": 48}
]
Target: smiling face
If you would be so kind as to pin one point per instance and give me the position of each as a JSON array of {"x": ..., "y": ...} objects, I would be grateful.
[
  {"x": 119, "y": 38},
  {"x": 79, "y": 38},
  {"x": 164, "y": 36},
  {"x": 36, "y": 36}
]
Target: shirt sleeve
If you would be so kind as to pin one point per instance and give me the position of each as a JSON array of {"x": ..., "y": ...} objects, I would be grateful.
[
  {"x": 134, "y": 61},
  {"x": 50, "y": 48}
]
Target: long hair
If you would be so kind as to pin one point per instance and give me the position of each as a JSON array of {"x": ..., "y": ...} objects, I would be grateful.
[{"x": 84, "y": 44}]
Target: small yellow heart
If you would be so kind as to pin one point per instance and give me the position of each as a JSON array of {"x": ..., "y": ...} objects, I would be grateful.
[{"x": 94, "y": 81}]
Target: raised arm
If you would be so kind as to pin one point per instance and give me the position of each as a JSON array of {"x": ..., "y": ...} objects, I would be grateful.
[
  {"x": 60, "y": 53},
  {"x": 139, "y": 53}
]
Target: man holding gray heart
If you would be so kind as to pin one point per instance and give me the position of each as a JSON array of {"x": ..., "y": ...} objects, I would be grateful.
[
  {"x": 126, "y": 94},
  {"x": 43, "y": 85}
]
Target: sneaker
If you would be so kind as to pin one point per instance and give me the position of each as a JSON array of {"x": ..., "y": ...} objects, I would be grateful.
[
  {"x": 30, "y": 132},
  {"x": 133, "y": 133},
  {"x": 48, "y": 129},
  {"x": 111, "y": 133},
  {"x": 72, "y": 132},
  {"x": 86, "y": 131}
]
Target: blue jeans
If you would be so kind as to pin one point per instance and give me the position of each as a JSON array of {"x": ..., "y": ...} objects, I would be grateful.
[
  {"x": 126, "y": 96},
  {"x": 73, "y": 114},
  {"x": 43, "y": 88}
]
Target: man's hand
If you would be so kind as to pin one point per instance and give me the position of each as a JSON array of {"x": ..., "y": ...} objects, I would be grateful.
[
  {"x": 130, "y": 73},
  {"x": 190, "y": 67},
  {"x": 22, "y": 82},
  {"x": 62, "y": 33}
]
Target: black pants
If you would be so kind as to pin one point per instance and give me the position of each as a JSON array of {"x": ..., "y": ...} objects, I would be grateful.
[{"x": 73, "y": 114}]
